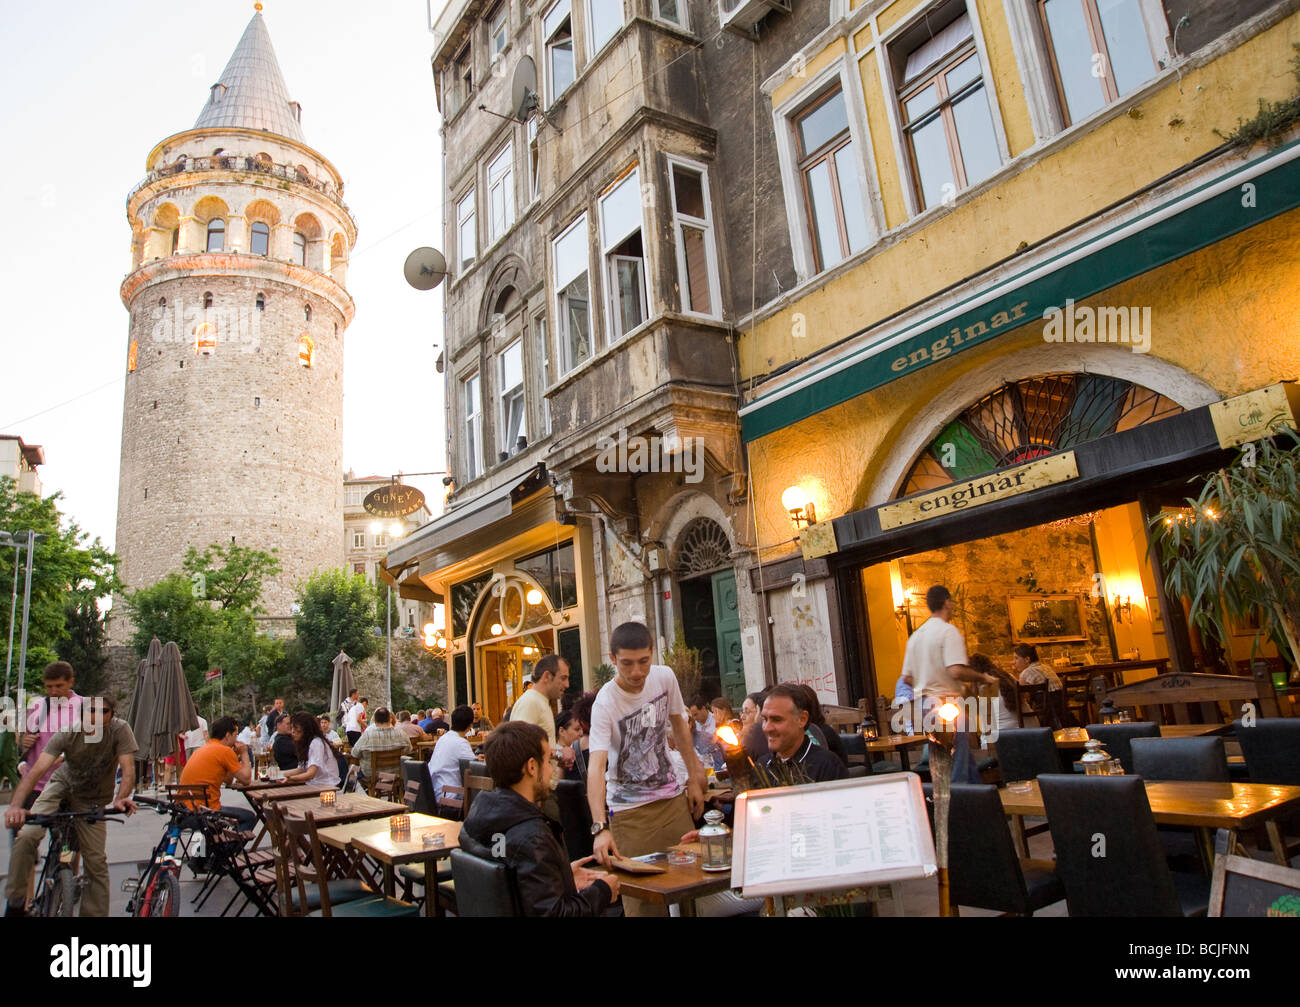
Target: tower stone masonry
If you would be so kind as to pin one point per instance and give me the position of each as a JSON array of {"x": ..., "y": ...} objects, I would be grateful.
[{"x": 232, "y": 425}]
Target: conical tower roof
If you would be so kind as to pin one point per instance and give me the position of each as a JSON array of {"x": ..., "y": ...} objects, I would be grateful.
[{"x": 251, "y": 93}]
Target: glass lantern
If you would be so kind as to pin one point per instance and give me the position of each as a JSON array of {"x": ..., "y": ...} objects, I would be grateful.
[
  {"x": 716, "y": 838},
  {"x": 868, "y": 728},
  {"x": 1096, "y": 761},
  {"x": 1107, "y": 712}
]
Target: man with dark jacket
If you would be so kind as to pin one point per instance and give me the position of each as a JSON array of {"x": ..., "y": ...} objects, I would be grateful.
[{"x": 507, "y": 824}]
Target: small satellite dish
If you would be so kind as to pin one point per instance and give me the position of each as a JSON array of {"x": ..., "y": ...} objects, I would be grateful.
[
  {"x": 425, "y": 268},
  {"x": 523, "y": 90}
]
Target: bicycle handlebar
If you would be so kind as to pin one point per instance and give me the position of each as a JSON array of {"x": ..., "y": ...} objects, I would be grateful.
[{"x": 95, "y": 815}]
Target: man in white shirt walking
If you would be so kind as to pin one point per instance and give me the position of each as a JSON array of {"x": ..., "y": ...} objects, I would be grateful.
[
  {"x": 196, "y": 739},
  {"x": 935, "y": 666},
  {"x": 354, "y": 721}
]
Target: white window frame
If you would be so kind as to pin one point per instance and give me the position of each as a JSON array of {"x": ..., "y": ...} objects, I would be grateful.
[
  {"x": 1034, "y": 61},
  {"x": 710, "y": 238},
  {"x": 911, "y": 184},
  {"x": 358, "y": 540},
  {"x": 508, "y": 395},
  {"x": 787, "y": 148},
  {"x": 683, "y": 12},
  {"x": 381, "y": 539},
  {"x": 501, "y": 182},
  {"x": 540, "y": 334},
  {"x": 499, "y": 26},
  {"x": 462, "y": 219},
  {"x": 609, "y": 288},
  {"x": 472, "y": 427},
  {"x": 588, "y": 8},
  {"x": 551, "y": 94},
  {"x": 534, "y": 147},
  {"x": 561, "y": 328}
]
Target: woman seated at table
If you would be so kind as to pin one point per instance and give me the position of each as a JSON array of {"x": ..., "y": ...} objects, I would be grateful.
[
  {"x": 1004, "y": 706},
  {"x": 567, "y": 731},
  {"x": 1031, "y": 670},
  {"x": 317, "y": 764}
]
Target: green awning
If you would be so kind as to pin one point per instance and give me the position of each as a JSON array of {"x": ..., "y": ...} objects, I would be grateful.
[{"x": 1182, "y": 224}]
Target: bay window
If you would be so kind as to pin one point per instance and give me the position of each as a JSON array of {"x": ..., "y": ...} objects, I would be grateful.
[
  {"x": 572, "y": 294},
  {"x": 624, "y": 255}
]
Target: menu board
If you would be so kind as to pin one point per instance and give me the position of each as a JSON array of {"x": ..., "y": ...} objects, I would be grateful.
[{"x": 822, "y": 836}]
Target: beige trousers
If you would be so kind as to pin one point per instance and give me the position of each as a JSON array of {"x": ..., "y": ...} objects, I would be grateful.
[
  {"x": 651, "y": 828},
  {"x": 91, "y": 837}
]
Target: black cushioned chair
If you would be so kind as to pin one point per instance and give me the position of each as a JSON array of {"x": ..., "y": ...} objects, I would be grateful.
[
  {"x": 1026, "y": 752},
  {"x": 1200, "y": 760},
  {"x": 1115, "y": 739},
  {"x": 1272, "y": 749},
  {"x": 575, "y": 816},
  {"x": 417, "y": 772},
  {"x": 483, "y": 887},
  {"x": 1132, "y": 879},
  {"x": 984, "y": 870}
]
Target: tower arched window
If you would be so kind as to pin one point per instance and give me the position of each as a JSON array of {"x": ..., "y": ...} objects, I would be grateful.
[
  {"x": 207, "y": 299},
  {"x": 306, "y": 312},
  {"x": 261, "y": 302},
  {"x": 300, "y": 248},
  {"x": 260, "y": 242},
  {"x": 216, "y": 235},
  {"x": 176, "y": 239}
]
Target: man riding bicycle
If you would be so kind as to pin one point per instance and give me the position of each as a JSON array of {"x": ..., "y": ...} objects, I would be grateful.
[{"x": 92, "y": 755}]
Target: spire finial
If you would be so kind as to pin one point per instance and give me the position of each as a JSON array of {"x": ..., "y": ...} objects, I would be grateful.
[{"x": 257, "y": 7}]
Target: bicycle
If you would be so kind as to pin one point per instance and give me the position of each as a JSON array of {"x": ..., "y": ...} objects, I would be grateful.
[
  {"x": 157, "y": 891},
  {"x": 58, "y": 889}
]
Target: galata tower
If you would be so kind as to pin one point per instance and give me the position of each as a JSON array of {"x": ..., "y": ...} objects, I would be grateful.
[{"x": 232, "y": 427}]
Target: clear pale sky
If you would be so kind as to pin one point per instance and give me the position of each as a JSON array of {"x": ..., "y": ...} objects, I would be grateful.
[{"x": 90, "y": 88}]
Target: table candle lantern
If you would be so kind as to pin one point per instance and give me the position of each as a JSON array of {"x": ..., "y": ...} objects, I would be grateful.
[
  {"x": 868, "y": 728},
  {"x": 399, "y": 827},
  {"x": 1107, "y": 712},
  {"x": 716, "y": 838},
  {"x": 327, "y": 798},
  {"x": 1096, "y": 762}
]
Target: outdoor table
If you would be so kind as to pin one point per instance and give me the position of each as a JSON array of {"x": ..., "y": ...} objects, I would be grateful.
[
  {"x": 1077, "y": 737},
  {"x": 1203, "y": 806},
  {"x": 275, "y": 791},
  {"x": 899, "y": 743},
  {"x": 374, "y": 840},
  {"x": 259, "y": 785},
  {"x": 677, "y": 885},
  {"x": 346, "y": 808}
]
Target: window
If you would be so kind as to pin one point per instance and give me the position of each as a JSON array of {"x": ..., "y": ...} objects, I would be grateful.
[
  {"x": 544, "y": 352},
  {"x": 624, "y": 257},
  {"x": 473, "y": 425},
  {"x": 514, "y": 421},
  {"x": 462, "y": 77},
  {"x": 837, "y": 217},
  {"x": 306, "y": 312},
  {"x": 1100, "y": 51},
  {"x": 672, "y": 11},
  {"x": 359, "y": 568},
  {"x": 604, "y": 18},
  {"x": 572, "y": 297},
  {"x": 176, "y": 239},
  {"x": 216, "y": 236},
  {"x": 260, "y": 241},
  {"x": 261, "y": 302},
  {"x": 946, "y": 115},
  {"x": 697, "y": 256},
  {"x": 466, "y": 238},
  {"x": 501, "y": 193},
  {"x": 358, "y": 540},
  {"x": 557, "y": 29},
  {"x": 534, "y": 161},
  {"x": 381, "y": 539},
  {"x": 498, "y": 29},
  {"x": 207, "y": 299},
  {"x": 300, "y": 248},
  {"x": 306, "y": 350}
]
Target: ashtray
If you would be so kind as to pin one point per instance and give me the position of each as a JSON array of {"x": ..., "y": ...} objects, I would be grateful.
[
  {"x": 682, "y": 858},
  {"x": 1020, "y": 786},
  {"x": 434, "y": 840}
]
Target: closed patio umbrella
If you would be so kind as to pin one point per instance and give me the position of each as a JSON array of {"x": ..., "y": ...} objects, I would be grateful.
[
  {"x": 140, "y": 714},
  {"x": 173, "y": 710},
  {"x": 343, "y": 684}
]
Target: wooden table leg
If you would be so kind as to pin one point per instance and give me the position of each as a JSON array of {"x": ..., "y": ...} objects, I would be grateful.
[
  {"x": 1278, "y": 843},
  {"x": 902, "y": 758},
  {"x": 1205, "y": 846},
  {"x": 688, "y": 908},
  {"x": 390, "y": 881},
  {"x": 1018, "y": 834}
]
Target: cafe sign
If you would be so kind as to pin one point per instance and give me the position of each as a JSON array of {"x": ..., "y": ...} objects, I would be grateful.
[
  {"x": 997, "y": 485},
  {"x": 1256, "y": 414},
  {"x": 393, "y": 500}
]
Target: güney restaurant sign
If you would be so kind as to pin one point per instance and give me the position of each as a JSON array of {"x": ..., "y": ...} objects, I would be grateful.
[{"x": 393, "y": 500}]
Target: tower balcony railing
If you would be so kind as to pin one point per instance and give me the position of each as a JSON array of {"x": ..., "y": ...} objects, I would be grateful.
[{"x": 240, "y": 162}]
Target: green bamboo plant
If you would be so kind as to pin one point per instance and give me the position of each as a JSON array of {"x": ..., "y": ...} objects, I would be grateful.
[{"x": 1236, "y": 554}]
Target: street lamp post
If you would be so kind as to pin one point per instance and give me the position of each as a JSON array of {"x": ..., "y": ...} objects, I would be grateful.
[
  {"x": 395, "y": 531},
  {"x": 9, "y": 539}
]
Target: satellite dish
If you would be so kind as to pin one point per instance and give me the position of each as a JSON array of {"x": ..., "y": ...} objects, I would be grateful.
[
  {"x": 523, "y": 89},
  {"x": 425, "y": 268}
]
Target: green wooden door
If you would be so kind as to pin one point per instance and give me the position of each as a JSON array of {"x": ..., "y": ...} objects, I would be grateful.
[{"x": 726, "y": 623}]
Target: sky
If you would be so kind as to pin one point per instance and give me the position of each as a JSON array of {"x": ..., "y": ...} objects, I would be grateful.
[{"x": 90, "y": 88}]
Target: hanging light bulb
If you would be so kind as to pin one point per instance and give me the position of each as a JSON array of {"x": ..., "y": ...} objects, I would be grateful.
[
  {"x": 534, "y": 596},
  {"x": 496, "y": 629}
]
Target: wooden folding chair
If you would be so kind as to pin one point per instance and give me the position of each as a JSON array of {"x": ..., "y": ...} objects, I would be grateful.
[
  {"x": 328, "y": 888},
  {"x": 473, "y": 784},
  {"x": 386, "y": 763}
]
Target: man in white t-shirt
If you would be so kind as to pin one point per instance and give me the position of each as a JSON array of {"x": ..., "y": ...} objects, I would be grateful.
[
  {"x": 637, "y": 803},
  {"x": 444, "y": 764},
  {"x": 537, "y": 705},
  {"x": 935, "y": 666},
  {"x": 354, "y": 721},
  {"x": 197, "y": 738}
]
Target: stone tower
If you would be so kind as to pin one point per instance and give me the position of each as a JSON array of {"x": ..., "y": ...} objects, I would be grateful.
[{"x": 232, "y": 427}]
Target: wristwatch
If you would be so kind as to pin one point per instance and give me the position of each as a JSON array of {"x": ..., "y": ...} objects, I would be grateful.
[{"x": 597, "y": 828}]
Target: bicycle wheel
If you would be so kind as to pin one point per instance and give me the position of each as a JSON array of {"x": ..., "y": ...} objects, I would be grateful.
[
  {"x": 162, "y": 897},
  {"x": 61, "y": 896}
]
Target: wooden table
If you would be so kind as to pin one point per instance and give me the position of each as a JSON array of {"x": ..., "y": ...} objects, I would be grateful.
[
  {"x": 286, "y": 792},
  {"x": 259, "y": 785},
  {"x": 1077, "y": 737},
  {"x": 899, "y": 743},
  {"x": 1203, "y": 806},
  {"x": 371, "y": 838},
  {"x": 347, "y": 808},
  {"x": 677, "y": 885}
]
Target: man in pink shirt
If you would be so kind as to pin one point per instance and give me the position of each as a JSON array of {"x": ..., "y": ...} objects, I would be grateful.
[{"x": 60, "y": 708}]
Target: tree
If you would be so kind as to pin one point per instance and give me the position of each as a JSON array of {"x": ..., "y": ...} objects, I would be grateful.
[
  {"x": 172, "y": 610},
  {"x": 337, "y": 612},
  {"x": 231, "y": 576},
  {"x": 65, "y": 561},
  {"x": 84, "y": 646},
  {"x": 1237, "y": 553}
]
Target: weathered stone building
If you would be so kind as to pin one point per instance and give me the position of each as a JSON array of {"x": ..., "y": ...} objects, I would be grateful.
[{"x": 233, "y": 414}]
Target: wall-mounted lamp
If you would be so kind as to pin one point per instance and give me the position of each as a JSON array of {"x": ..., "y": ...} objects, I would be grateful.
[
  {"x": 1122, "y": 605},
  {"x": 801, "y": 509},
  {"x": 904, "y": 607}
]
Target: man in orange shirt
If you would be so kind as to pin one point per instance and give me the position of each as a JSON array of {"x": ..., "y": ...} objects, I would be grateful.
[{"x": 219, "y": 763}]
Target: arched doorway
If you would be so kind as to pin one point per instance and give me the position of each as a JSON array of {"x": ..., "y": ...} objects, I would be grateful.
[
  {"x": 514, "y": 624},
  {"x": 706, "y": 580}
]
